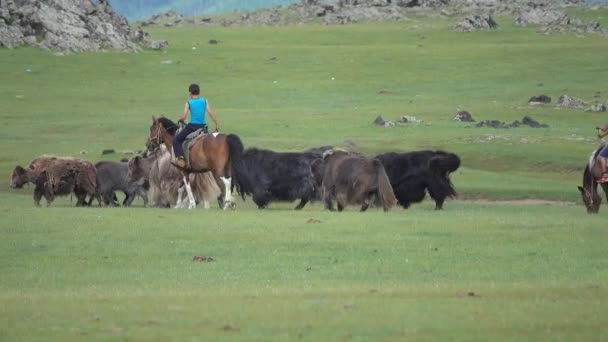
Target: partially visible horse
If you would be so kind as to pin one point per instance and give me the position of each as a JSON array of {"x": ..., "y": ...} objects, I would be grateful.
[
  {"x": 218, "y": 153},
  {"x": 589, "y": 192}
]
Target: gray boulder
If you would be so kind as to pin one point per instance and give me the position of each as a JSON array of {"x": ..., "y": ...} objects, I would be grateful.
[
  {"x": 475, "y": 22},
  {"x": 538, "y": 100},
  {"x": 463, "y": 116}
]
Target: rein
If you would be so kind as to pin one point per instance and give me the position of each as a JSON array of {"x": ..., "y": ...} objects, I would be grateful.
[{"x": 158, "y": 135}]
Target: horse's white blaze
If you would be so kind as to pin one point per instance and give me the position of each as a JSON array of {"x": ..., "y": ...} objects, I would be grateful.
[
  {"x": 215, "y": 134},
  {"x": 228, "y": 194}
]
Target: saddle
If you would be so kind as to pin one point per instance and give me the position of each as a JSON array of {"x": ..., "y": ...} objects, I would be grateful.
[{"x": 191, "y": 139}]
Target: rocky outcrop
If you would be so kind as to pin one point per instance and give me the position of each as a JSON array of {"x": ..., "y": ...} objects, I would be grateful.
[
  {"x": 552, "y": 21},
  {"x": 463, "y": 116},
  {"x": 475, "y": 23},
  {"x": 525, "y": 121},
  {"x": 68, "y": 26},
  {"x": 570, "y": 102},
  {"x": 332, "y": 12}
]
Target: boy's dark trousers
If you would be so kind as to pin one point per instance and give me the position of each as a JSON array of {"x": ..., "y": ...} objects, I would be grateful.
[{"x": 181, "y": 136}]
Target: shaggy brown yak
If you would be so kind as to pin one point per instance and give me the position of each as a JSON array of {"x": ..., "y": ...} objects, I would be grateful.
[
  {"x": 52, "y": 182},
  {"x": 352, "y": 179},
  {"x": 86, "y": 182}
]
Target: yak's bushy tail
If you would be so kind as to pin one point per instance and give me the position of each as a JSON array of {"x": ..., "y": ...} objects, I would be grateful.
[
  {"x": 441, "y": 165},
  {"x": 386, "y": 196}
]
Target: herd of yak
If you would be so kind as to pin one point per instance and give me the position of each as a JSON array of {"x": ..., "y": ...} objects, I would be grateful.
[{"x": 350, "y": 178}]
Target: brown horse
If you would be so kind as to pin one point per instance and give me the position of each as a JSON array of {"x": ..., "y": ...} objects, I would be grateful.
[
  {"x": 218, "y": 153},
  {"x": 589, "y": 192}
]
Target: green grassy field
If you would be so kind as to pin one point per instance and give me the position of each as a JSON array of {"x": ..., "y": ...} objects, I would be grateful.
[{"x": 475, "y": 271}]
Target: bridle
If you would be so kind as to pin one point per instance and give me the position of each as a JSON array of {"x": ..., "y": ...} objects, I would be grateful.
[{"x": 158, "y": 136}]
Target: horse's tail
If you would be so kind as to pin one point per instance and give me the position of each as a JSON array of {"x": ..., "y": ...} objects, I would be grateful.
[
  {"x": 241, "y": 175},
  {"x": 441, "y": 165},
  {"x": 385, "y": 190}
]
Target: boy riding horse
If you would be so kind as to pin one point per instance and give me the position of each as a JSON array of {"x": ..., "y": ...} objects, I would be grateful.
[{"x": 197, "y": 106}]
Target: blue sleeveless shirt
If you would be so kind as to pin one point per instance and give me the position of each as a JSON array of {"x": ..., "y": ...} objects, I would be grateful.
[{"x": 198, "y": 107}]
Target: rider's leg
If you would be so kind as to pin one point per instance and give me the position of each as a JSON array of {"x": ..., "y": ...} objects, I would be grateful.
[{"x": 178, "y": 148}]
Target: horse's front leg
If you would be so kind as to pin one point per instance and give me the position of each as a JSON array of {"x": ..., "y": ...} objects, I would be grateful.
[
  {"x": 180, "y": 192},
  {"x": 192, "y": 201},
  {"x": 225, "y": 199},
  {"x": 228, "y": 198}
]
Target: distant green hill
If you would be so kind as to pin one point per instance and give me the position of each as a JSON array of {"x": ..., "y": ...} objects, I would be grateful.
[{"x": 139, "y": 9}]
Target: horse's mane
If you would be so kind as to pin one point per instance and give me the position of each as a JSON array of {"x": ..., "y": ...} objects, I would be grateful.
[{"x": 169, "y": 125}]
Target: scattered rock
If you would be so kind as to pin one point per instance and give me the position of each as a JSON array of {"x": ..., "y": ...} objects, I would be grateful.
[
  {"x": 199, "y": 258},
  {"x": 213, "y": 41},
  {"x": 528, "y": 121},
  {"x": 163, "y": 18},
  {"x": 463, "y": 116},
  {"x": 570, "y": 102},
  {"x": 313, "y": 221},
  {"x": 525, "y": 121},
  {"x": 229, "y": 327},
  {"x": 538, "y": 100},
  {"x": 379, "y": 121},
  {"x": 475, "y": 23},
  {"x": 600, "y": 107},
  {"x": 84, "y": 152},
  {"x": 408, "y": 119},
  {"x": 492, "y": 123},
  {"x": 108, "y": 151}
]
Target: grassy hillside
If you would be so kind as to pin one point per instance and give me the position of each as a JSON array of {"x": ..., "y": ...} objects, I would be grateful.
[{"x": 474, "y": 271}]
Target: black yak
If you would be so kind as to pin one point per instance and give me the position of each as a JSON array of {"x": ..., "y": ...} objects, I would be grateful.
[
  {"x": 413, "y": 173},
  {"x": 280, "y": 176}
]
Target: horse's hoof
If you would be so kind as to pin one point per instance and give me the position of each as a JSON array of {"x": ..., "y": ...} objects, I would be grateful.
[{"x": 229, "y": 205}]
